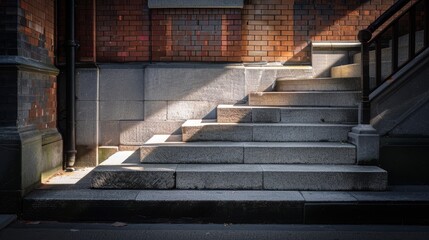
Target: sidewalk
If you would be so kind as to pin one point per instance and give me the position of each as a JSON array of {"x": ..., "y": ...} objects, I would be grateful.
[{"x": 109, "y": 231}]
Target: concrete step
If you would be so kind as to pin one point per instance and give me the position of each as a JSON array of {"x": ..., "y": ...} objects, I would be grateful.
[
  {"x": 318, "y": 84},
  {"x": 346, "y": 71},
  {"x": 210, "y": 130},
  {"x": 306, "y": 98},
  {"x": 262, "y": 114},
  {"x": 159, "y": 149},
  {"x": 409, "y": 207},
  {"x": 240, "y": 177}
]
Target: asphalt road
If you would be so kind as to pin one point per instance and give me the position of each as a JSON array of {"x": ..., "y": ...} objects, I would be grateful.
[{"x": 108, "y": 231}]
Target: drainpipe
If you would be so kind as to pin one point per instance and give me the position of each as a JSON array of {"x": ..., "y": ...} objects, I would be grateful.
[{"x": 71, "y": 89}]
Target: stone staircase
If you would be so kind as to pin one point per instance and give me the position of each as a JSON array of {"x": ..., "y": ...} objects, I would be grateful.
[{"x": 294, "y": 138}]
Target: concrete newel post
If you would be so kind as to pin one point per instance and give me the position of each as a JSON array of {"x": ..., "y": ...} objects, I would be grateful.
[{"x": 367, "y": 142}]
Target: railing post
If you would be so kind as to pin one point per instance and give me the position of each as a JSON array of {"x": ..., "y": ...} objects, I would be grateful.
[
  {"x": 364, "y": 115},
  {"x": 364, "y": 136}
]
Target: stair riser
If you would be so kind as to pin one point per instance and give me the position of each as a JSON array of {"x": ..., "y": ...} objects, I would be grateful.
[
  {"x": 351, "y": 70},
  {"x": 300, "y": 133},
  {"x": 266, "y": 133},
  {"x": 334, "y": 84},
  {"x": 245, "y": 177},
  {"x": 279, "y": 115},
  {"x": 248, "y": 154},
  {"x": 319, "y": 181},
  {"x": 304, "y": 99},
  {"x": 173, "y": 154},
  {"x": 278, "y": 155},
  {"x": 133, "y": 180}
]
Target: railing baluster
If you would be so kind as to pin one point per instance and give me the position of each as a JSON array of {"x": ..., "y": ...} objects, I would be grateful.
[
  {"x": 378, "y": 62},
  {"x": 395, "y": 45},
  {"x": 412, "y": 33},
  {"x": 365, "y": 116},
  {"x": 426, "y": 33}
]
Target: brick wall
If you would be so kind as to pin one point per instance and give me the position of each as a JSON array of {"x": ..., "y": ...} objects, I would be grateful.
[
  {"x": 36, "y": 30},
  {"x": 37, "y": 100},
  {"x": 269, "y": 30}
]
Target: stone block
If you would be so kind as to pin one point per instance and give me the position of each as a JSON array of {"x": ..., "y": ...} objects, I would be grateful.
[
  {"x": 155, "y": 110},
  {"x": 234, "y": 114},
  {"x": 194, "y": 83},
  {"x": 183, "y": 110},
  {"x": 86, "y": 133},
  {"x": 138, "y": 132},
  {"x": 86, "y": 110},
  {"x": 324, "y": 177},
  {"x": 109, "y": 133},
  {"x": 299, "y": 153},
  {"x": 347, "y": 98},
  {"x": 121, "y": 110},
  {"x": 52, "y": 153},
  {"x": 122, "y": 84},
  {"x": 104, "y": 152},
  {"x": 218, "y": 176},
  {"x": 141, "y": 176},
  {"x": 86, "y": 156},
  {"x": 205, "y": 130},
  {"x": 87, "y": 84},
  {"x": 300, "y": 132},
  {"x": 159, "y": 150}
]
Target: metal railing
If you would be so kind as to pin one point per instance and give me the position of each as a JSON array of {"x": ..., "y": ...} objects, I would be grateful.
[{"x": 405, "y": 35}]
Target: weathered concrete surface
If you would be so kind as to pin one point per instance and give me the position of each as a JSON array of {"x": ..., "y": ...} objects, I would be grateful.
[
  {"x": 283, "y": 132},
  {"x": 265, "y": 114},
  {"x": 218, "y": 176},
  {"x": 137, "y": 176},
  {"x": 324, "y": 177},
  {"x": 302, "y": 153}
]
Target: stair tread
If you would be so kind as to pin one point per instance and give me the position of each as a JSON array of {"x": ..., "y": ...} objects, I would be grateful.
[
  {"x": 205, "y": 122},
  {"x": 286, "y": 79},
  {"x": 161, "y": 140},
  {"x": 286, "y": 107}
]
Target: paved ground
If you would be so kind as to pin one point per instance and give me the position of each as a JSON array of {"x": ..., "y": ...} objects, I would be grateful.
[{"x": 105, "y": 231}]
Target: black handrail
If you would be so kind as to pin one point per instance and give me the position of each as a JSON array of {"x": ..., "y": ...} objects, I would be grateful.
[{"x": 366, "y": 38}]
